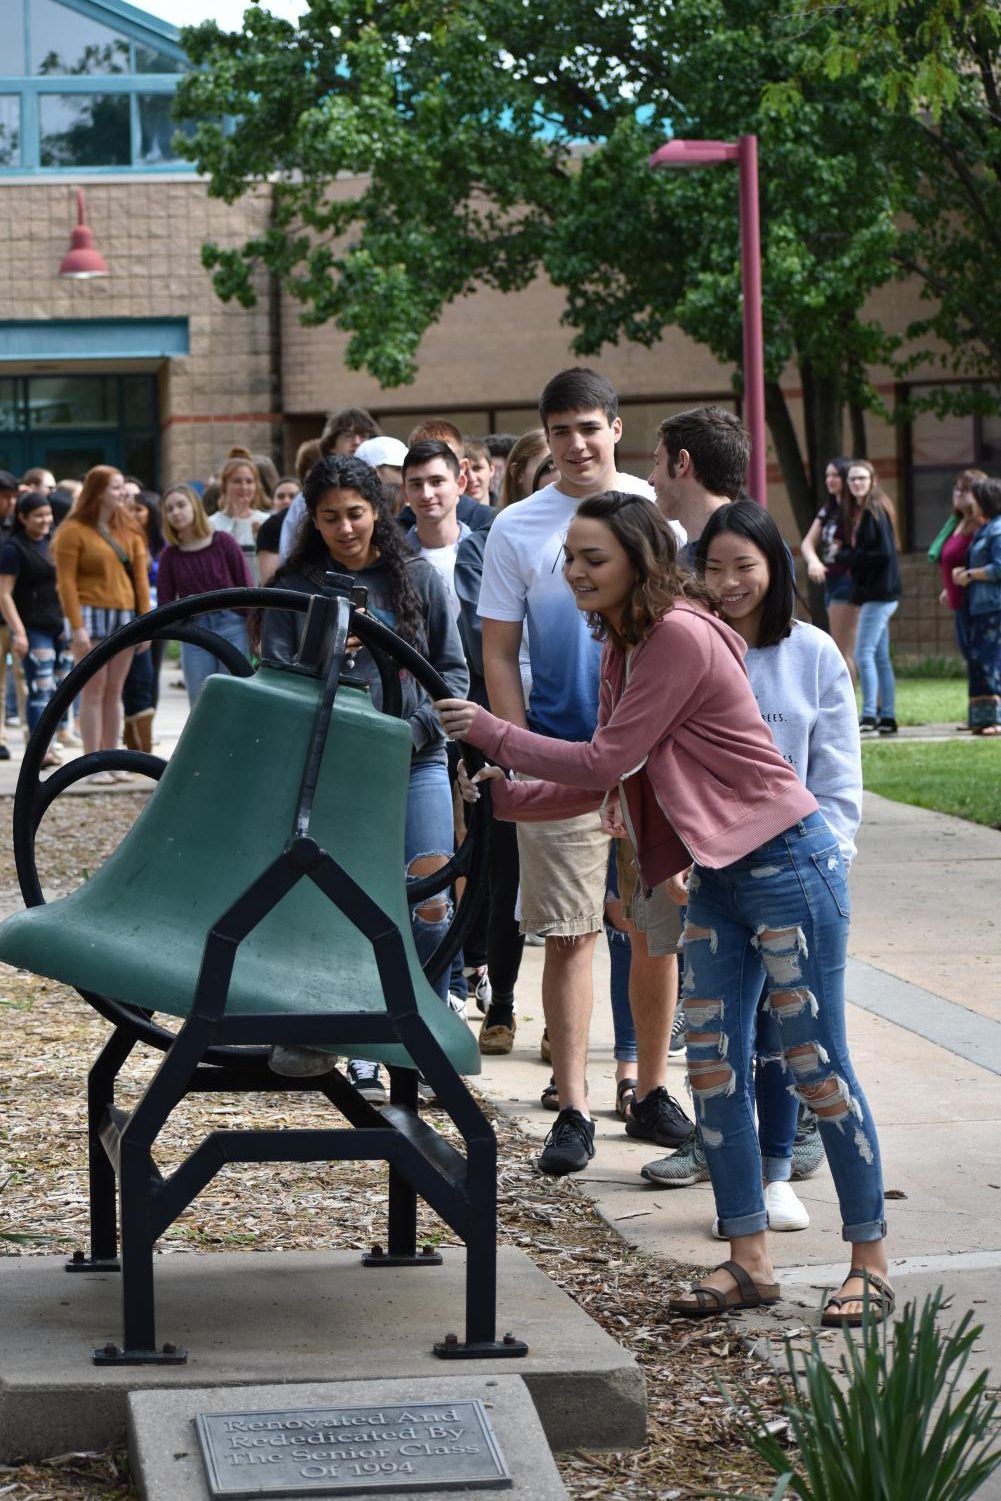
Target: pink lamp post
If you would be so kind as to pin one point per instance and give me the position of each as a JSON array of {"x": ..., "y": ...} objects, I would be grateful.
[{"x": 745, "y": 153}]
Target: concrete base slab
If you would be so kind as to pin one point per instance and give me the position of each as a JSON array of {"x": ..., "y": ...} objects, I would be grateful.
[
  {"x": 167, "y": 1461},
  {"x": 282, "y": 1317}
]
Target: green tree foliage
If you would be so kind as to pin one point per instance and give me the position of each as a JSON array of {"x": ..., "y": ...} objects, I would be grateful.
[
  {"x": 939, "y": 69},
  {"x": 417, "y": 150}
]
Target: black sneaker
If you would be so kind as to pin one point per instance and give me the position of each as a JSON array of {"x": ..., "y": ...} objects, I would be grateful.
[
  {"x": 677, "y": 1043},
  {"x": 867, "y": 725},
  {"x": 886, "y": 727},
  {"x": 569, "y": 1145},
  {"x": 364, "y": 1075},
  {"x": 5, "y": 751},
  {"x": 660, "y": 1119}
]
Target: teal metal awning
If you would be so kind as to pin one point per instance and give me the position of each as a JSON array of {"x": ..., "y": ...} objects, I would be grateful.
[{"x": 93, "y": 339}]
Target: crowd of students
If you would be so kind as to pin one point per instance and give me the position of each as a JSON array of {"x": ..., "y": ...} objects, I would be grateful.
[{"x": 674, "y": 754}]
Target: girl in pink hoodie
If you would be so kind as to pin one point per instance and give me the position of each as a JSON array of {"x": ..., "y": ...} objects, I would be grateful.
[{"x": 683, "y": 762}]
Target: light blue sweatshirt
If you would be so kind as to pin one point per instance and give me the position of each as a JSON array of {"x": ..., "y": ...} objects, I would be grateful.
[{"x": 806, "y": 699}]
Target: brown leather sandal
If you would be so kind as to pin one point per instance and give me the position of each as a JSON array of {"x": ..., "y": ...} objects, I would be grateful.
[
  {"x": 881, "y": 1302},
  {"x": 625, "y": 1097},
  {"x": 745, "y": 1293}
]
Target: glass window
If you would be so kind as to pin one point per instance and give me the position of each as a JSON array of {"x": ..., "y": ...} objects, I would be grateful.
[
  {"x": 73, "y": 401},
  {"x": 85, "y": 130},
  {"x": 990, "y": 444},
  {"x": 139, "y": 457},
  {"x": 931, "y": 492},
  {"x": 149, "y": 61},
  {"x": 11, "y": 410},
  {"x": 942, "y": 440},
  {"x": 63, "y": 41},
  {"x": 12, "y": 27},
  {"x": 138, "y": 400},
  {"x": 10, "y": 130},
  {"x": 157, "y": 129}
]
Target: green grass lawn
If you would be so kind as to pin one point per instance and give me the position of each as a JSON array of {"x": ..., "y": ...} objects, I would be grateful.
[
  {"x": 931, "y": 701},
  {"x": 961, "y": 777}
]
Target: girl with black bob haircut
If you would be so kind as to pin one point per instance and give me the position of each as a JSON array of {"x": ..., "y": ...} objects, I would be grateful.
[
  {"x": 803, "y": 689},
  {"x": 348, "y": 529},
  {"x": 745, "y": 518}
]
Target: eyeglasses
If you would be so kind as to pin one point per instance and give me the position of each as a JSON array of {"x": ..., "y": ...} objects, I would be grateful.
[{"x": 859, "y": 479}]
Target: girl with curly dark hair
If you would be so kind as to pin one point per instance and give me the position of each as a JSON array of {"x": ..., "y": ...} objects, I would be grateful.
[
  {"x": 349, "y": 530},
  {"x": 683, "y": 764}
]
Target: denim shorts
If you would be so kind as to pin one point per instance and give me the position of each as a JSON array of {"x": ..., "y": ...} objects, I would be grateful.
[{"x": 838, "y": 589}]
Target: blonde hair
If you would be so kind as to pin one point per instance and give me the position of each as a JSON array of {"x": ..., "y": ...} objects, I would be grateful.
[
  {"x": 259, "y": 503},
  {"x": 201, "y": 526}
]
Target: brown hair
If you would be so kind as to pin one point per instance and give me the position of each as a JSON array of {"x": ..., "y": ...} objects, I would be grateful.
[
  {"x": 201, "y": 527},
  {"x": 876, "y": 498},
  {"x": 517, "y": 470},
  {"x": 649, "y": 542},
  {"x": 306, "y": 455},
  {"x": 347, "y": 420},
  {"x": 439, "y": 429},
  {"x": 87, "y": 506}
]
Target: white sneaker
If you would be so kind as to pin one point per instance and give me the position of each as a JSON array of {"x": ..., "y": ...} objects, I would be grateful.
[
  {"x": 457, "y": 1003},
  {"x": 785, "y": 1210}
]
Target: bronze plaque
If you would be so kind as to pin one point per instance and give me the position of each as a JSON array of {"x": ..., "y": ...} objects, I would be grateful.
[{"x": 339, "y": 1451}]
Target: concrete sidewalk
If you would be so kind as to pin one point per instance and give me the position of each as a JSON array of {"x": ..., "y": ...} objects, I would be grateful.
[
  {"x": 925, "y": 1024},
  {"x": 924, "y": 988}
]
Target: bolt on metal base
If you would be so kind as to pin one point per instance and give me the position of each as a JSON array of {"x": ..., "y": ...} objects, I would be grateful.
[
  {"x": 426, "y": 1256},
  {"x": 453, "y": 1348}
]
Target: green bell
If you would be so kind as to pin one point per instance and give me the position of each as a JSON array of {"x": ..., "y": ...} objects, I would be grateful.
[{"x": 136, "y": 930}]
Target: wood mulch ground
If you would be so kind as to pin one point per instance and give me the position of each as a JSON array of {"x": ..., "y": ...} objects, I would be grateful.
[{"x": 48, "y": 1037}]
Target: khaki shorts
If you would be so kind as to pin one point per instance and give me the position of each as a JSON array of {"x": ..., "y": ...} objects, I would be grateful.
[
  {"x": 564, "y": 869},
  {"x": 655, "y": 915}
]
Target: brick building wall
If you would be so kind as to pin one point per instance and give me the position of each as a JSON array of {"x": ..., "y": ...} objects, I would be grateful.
[{"x": 150, "y": 231}]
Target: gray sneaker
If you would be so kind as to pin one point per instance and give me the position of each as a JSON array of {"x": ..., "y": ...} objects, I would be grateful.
[
  {"x": 682, "y": 1169},
  {"x": 807, "y": 1147}
]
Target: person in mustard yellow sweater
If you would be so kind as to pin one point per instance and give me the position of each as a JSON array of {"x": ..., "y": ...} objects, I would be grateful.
[{"x": 101, "y": 575}]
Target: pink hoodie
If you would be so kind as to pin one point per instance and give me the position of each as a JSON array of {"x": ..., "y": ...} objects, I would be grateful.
[{"x": 701, "y": 775}]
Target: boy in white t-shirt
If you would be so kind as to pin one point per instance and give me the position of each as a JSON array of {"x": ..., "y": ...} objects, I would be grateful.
[
  {"x": 564, "y": 864},
  {"x": 433, "y": 481}
]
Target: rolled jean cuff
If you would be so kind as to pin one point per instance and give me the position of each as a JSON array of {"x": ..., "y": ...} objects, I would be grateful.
[
  {"x": 743, "y": 1224},
  {"x": 776, "y": 1169},
  {"x": 626, "y": 1055},
  {"x": 858, "y": 1234}
]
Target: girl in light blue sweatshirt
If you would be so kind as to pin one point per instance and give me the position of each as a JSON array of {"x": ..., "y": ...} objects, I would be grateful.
[{"x": 805, "y": 695}]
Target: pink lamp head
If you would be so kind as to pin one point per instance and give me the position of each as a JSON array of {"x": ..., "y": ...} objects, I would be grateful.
[{"x": 83, "y": 260}]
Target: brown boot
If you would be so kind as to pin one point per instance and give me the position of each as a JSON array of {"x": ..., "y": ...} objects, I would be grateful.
[
  {"x": 130, "y": 732},
  {"x": 144, "y": 730}
]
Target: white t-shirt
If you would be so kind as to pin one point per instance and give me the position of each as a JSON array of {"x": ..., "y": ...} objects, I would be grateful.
[
  {"x": 523, "y": 580},
  {"x": 442, "y": 560}
]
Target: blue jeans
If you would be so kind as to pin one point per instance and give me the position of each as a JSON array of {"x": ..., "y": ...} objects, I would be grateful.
[
  {"x": 872, "y": 658},
  {"x": 778, "y": 1107},
  {"x": 197, "y": 664},
  {"x": 778, "y": 917},
  {"x": 620, "y": 957},
  {"x": 429, "y": 831},
  {"x": 48, "y": 661}
]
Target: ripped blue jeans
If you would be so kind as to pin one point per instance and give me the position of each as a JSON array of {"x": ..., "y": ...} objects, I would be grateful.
[
  {"x": 778, "y": 917},
  {"x": 48, "y": 661},
  {"x": 430, "y": 830}
]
